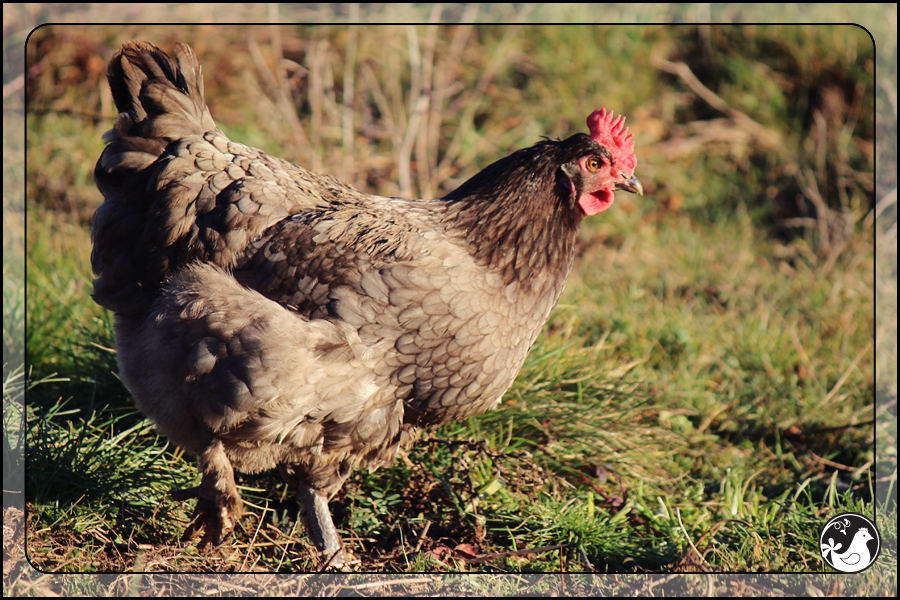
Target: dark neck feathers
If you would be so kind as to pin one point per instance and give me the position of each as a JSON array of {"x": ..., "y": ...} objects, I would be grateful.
[{"x": 517, "y": 216}]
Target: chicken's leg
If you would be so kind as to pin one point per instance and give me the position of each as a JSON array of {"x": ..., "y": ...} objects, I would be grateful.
[
  {"x": 318, "y": 522},
  {"x": 321, "y": 527},
  {"x": 218, "y": 501}
]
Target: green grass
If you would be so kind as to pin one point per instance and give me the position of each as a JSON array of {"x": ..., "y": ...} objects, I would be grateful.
[{"x": 701, "y": 400}]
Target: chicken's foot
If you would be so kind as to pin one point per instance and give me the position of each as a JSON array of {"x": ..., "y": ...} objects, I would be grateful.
[{"x": 218, "y": 502}]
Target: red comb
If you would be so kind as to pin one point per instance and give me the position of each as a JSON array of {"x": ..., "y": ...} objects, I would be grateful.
[{"x": 610, "y": 132}]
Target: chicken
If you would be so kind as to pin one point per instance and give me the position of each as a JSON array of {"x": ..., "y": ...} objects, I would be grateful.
[{"x": 268, "y": 316}]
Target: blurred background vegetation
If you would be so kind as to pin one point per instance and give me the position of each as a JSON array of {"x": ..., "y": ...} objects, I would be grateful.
[{"x": 708, "y": 392}]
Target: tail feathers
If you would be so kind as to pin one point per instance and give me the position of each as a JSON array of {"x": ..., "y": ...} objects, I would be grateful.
[
  {"x": 160, "y": 102},
  {"x": 161, "y": 96}
]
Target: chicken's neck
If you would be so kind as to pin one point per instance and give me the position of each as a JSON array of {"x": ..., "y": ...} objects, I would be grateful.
[{"x": 517, "y": 220}]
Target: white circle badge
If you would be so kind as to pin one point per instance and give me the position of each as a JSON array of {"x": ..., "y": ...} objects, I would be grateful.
[{"x": 849, "y": 543}]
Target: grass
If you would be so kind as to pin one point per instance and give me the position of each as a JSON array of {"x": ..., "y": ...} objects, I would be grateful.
[{"x": 701, "y": 401}]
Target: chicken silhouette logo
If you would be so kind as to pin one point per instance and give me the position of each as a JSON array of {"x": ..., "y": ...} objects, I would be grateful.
[{"x": 850, "y": 543}]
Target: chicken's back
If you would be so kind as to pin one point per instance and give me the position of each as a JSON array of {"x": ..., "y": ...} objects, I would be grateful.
[{"x": 176, "y": 189}]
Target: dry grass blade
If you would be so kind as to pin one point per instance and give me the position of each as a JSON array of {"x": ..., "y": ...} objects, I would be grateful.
[
  {"x": 767, "y": 137},
  {"x": 390, "y": 582},
  {"x": 523, "y": 552}
]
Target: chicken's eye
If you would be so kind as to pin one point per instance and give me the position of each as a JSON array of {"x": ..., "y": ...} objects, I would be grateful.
[{"x": 593, "y": 164}]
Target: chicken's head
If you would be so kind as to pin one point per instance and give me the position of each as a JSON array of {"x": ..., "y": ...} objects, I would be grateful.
[{"x": 608, "y": 167}]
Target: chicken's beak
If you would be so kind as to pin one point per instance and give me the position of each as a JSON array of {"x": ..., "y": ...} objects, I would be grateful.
[{"x": 631, "y": 184}]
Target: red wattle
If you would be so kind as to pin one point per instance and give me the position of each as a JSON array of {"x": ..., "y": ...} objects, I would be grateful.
[{"x": 596, "y": 203}]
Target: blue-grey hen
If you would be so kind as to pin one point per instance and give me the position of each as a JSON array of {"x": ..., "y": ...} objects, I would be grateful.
[{"x": 269, "y": 316}]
